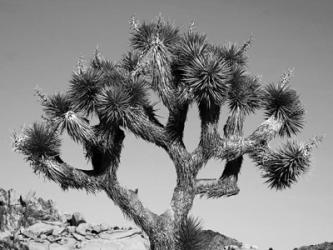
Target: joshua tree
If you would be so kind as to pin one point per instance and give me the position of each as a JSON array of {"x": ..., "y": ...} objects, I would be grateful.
[{"x": 182, "y": 69}]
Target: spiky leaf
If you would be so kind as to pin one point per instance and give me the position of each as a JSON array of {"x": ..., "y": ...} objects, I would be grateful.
[
  {"x": 130, "y": 61},
  {"x": 233, "y": 54},
  {"x": 150, "y": 34},
  {"x": 84, "y": 89},
  {"x": 207, "y": 77},
  {"x": 56, "y": 106},
  {"x": 77, "y": 127},
  {"x": 97, "y": 61},
  {"x": 282, "y": 169},
  {"x": 244, "y": 93},
  {"x": 283, "y": 103},
  {"x": 190, "y": 235},
  {"x": 37, "y": 141},
  {"x": 114, "y": 102},
  {"x": 191, "y": 45}
]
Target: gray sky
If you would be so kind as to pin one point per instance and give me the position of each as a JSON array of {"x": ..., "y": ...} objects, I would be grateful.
[{"x": 40, "y": 42}]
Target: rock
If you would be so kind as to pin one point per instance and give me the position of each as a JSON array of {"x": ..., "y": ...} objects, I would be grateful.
[
  {"x": 52, "y": 238},
  {"x": 96, "y": 229},
  {"x": 16, "y": 211},
  {"x": 78, "y": 237},
  {"x": 13, "y": 197},
  {"x": 28, "y": 234},
  {"x": 82, "y": 228},
  {"x": 40, "y": 228},
  {"x": 231, "y": 247},
  {"x": 19, "y": 237},
  {"x": 108, "y": 235},
  {"x": 58, "y": 230},
  {"x": 132, "y": 243},
  {"x": 76, "y": 219},
  {"x": 43, "y": 236},
  {"x": 5, "y": 234},
  {"x": 89, "y": 237},
  {"x": 71, "y": 229},
  {"x": 219, "y": 241},
  {"x": 322, "y": 246}
]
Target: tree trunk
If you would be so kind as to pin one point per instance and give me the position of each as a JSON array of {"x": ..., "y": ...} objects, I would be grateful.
[
  {"x": 164, "y": 239},
  {"x": 166, "y": 227}
]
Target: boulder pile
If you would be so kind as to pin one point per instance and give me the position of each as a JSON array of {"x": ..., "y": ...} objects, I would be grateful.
[
  {"x": 32, "y": 223},
  {"x": 46, "y": 235}
]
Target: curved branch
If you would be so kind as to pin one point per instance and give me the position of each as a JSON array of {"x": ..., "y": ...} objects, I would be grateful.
[
  {"x": 140, "y": 124},
  {"x": 130, "y": 204},
  {"x": 66, "y": 176},
  {"x": 103, "y": 177},
  {"x": 126, "y": 199}
]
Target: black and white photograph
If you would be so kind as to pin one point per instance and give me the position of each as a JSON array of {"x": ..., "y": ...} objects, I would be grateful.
[{"x": 166, "y": 125}]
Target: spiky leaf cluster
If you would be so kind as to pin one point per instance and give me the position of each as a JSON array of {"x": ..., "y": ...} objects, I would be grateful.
[
  {"x": 59, "y": 112},
  {"x": 77, "y": 127},
  {"x": 159, "y": 33},
  {"x": 192, "y": 44},
  {"x": 190, "y": 236},
  {"x": 56, "y": 106},
  {"x": 37, "y": 141},
  {"x": 105, "y": 68},
  {"x": 244, "y": 93},
  {"x": 200, "y": 73},
  {"x": 233, "y": 54},
  {"x": 84, "y": 87},
  {"x": 207, "y": 78},
  {"x": 284, "y": 104},
  {"x": 114, "y": 102},
  {"x": 130, "y": 61},
  {"x": 282, "y": 168}
]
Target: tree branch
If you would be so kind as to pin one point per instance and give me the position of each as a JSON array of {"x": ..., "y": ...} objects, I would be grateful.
[
  {"x": 234, "y": 124},
  {"x": 129, "y": 203},
  {"x": 176, "y": 121},
  {"x": 209, "y": 137},
  {"x": 140, "y": 124},
  {"x": 66, "y": 176},
  {"x": 126, "y": 199},
  {"x": 231, "y": 148},
  {"x": 103, "y": 176},
  {"x": 235, "y": 147},
  {"x": 233, "y": 129},
  {"x": 216, "y": 188}
]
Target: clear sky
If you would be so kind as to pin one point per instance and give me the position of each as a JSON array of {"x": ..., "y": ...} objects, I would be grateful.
[{"x": 41, "y": 40}]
